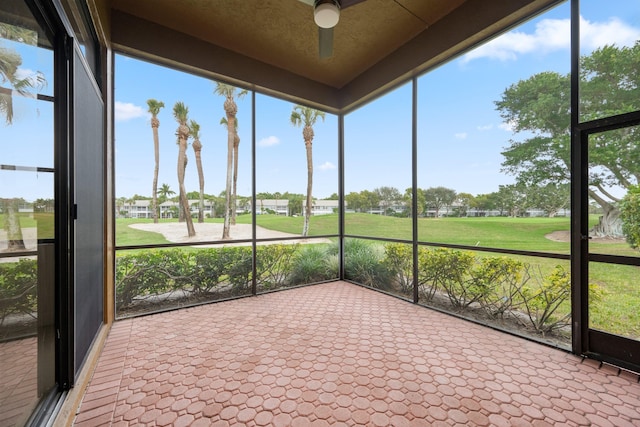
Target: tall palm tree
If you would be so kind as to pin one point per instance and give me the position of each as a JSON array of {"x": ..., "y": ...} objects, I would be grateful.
[
  {"x": 197, "y": 148},
  {"x": 181, "y": 113},
  {"x": 307, "y": 117},
  {"x": 154, "y": 109},
  {"x": 236, "y": 145},
  {"x": 230, "y": 109}
]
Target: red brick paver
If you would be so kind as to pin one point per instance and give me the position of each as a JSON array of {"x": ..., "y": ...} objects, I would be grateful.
[{"x": 339, "y": 354}]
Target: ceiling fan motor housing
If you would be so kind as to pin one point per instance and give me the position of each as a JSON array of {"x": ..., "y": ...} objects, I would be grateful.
[{"x": 326, "y": 13}]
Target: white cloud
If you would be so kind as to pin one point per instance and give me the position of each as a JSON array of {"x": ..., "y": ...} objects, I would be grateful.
[
  {"x": 507, "y": 126},
  {"x": 269, "y": 141},
  {"x": 554, "y": 34},
  {"x": 36, "y": 78},
  {"x": 614, "y": 31},
  {"x": 485, "y": 127},
  {"x": 461, "y": 135},
  {"x": 126, "y": 111},
  {"x": 326, "y": 166}
]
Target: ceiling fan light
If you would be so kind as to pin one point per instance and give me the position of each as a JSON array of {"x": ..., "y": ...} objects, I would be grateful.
[{"x": 326, "y": 14}]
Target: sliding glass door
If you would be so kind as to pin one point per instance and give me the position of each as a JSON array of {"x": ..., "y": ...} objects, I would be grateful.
[{"x": 27, "y": 214}]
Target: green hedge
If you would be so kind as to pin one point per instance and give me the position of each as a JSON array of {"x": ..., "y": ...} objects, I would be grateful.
[
  {"x": 499, "y": 286},
  {"x": 204, "y": 274}
]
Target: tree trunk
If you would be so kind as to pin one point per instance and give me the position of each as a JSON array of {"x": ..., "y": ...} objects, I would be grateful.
[
  {"x": 197, "y": 147},
  {"x": 234, "y": 195},
  {"x": 609, "y": 224},
  {"x": 227, "y": 206},
  {"x": 307, "y": 216},
  {"x": 156, "y": 151},
  {"x": 180, "y": 210},
  {"x": 15, "y": 241},
  {"x": 184, "y": 203}
]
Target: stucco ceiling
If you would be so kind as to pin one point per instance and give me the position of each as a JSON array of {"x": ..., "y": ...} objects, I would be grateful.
[{"x": 273, "y": 44}]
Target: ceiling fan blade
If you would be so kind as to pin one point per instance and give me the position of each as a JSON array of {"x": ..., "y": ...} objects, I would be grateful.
[
  {"x": 348, "y": 3},
  {"x": 325, "y": 39}
]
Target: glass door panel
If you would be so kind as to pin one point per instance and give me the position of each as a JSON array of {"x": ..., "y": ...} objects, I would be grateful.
[
  {"x": 613, "y": 241},
  {"x": 27, "y": 284}
]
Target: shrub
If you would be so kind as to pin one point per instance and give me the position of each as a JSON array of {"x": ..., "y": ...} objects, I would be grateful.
[
  {"x": 449, "y": 271},
  {"x": 312, "y": 264},
  {"x": 398, "y": 259},
  {"x": 210, "y": 267},
  {"x": 143, "y": 273},
  {"x": 630, "y": 216},
  {"x": 541, "y": 303},
  {"x": 274, "y": 264},
  {"x": 497, "y": 282},
  {"x": 363, "y": 263},
  {"x": 239, "y": 266}
]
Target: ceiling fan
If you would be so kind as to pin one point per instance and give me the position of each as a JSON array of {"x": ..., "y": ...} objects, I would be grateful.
[{"x": 326, "y": 14}]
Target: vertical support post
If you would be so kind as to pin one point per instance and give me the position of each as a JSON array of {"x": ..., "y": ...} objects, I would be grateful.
[
  {"x": 254, "y": 262},
  {"x": 579, "y": 198},
  {"x": 414, "y": 185},
  {"x": 341, "y": 195}
]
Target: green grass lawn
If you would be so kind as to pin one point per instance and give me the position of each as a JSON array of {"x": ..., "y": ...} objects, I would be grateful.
[{"x": 617, "y": 312}]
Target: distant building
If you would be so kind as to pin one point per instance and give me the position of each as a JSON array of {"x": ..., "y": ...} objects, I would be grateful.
[{"x": 322, "y": 207}]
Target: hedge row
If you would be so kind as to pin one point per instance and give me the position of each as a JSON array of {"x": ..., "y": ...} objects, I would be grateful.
[
  {"x": 203, "y": 272},
  {"x": 499, "y": 286}
]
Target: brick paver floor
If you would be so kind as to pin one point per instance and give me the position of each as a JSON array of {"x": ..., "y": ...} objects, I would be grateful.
[{"x": 339, "y": 354}]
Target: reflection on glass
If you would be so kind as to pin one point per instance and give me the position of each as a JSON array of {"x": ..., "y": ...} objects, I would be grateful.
[
  {"x": 27, "y": 348},
  {"x": 284, "y": 264},
  {"x": 609, "y": 48},
  {"x": 215, "y": 156},
  {"x": 525, "y": 295},
  {"x": 614, "y": 298},
  {"x": 378, "y": 172},
  {"x": 614, "y": 169},
  {"x": 493, "y": 143}
]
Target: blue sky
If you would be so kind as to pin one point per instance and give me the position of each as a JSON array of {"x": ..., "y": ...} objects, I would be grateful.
[{"x": 460, "y": 134}]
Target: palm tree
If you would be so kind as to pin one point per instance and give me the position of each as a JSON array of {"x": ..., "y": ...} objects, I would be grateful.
[
  {"x": 230, "y": 109},
  {"x": 236, "y": 145},
  {"x": 180, "y": 113},
  {"x": 164, "y": 192},
  {"x": 307, "y": 117},
  {"x": 10, "y": 62},
  {"x": 154, "y": 109},
  {"x": 197, "y": 148}
]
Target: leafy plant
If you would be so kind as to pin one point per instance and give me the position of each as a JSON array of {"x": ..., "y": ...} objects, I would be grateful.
[
  {"x": 312, "y": 264},
  {"x": 239, "y": 264},
  {"x": 542, "y": 303},
  {"x": 630, "y": 216},
  {"x": 497, "y": 282},
  {"x": 363, "y": 263},
  {"x": 449, "y": 271},
  {"x": 273, "y": 265},
  {"x": 398, "y": 258}
]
